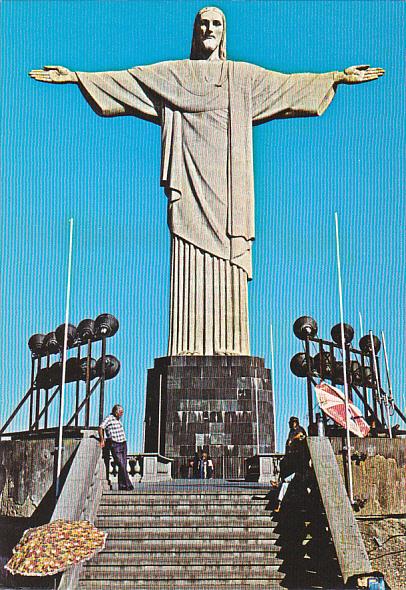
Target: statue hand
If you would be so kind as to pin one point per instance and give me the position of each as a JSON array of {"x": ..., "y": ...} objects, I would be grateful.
[
  {"x": 54, "y": 75},
  {"x": 360, "y": 74}
]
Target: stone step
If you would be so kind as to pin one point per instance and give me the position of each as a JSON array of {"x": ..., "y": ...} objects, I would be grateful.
[
  {"x": 194, "y": 493},
  {"x": 172, "y": 545},
  {"x": 185, "y": 499},
  {"x": 198, "y": 510},
  {"x": 185, "y": 584},
  {"x": 184, "y": 559},
  {"x": 209, "y": 521},
  {"x": 175, "y": 573},
  {"x": 189, "y": 533}
]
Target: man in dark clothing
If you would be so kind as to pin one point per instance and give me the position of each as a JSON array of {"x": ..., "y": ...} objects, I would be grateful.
[
  {"x": 115, "y": 441},
  {"x": 205, "y": 467},
  {"x": 295, "y": 458}
]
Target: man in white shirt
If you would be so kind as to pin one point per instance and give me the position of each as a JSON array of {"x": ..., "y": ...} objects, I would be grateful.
[{"x": 112, "y": 436}]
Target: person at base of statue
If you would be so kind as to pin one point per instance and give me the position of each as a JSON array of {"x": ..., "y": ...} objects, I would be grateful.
[
  {"x": 295, "y": 460},
  {"x": 194, "y": 464},
  {"x": 112, "y": 438},
  {"x": 205, "y": 466}
]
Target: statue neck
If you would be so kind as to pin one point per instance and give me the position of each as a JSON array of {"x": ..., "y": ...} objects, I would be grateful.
[{"x": 213, "y": 56}]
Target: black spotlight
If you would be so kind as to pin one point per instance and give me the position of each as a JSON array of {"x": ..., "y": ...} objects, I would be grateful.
[
  {"x": 43, "y": 379},
  {"x": 50, "y": 344},
  {"x": 338, "y": 374},
  {"x": 83, "y": 368},
  {"x": 298, "y": 365},
  {"x": 365, "y": 344},
  {"x": 368, "y": 377},
  {"x": 86, "y": 330},
  {"x": 55, "y": 374},
  {"x": 356, "y": 373},
  {"x": 305, "y": 327},
  {"x": 325, "y": 368},
  {"x": 73, "y": 370},
  {"x": 336, "y": 333},
  {"x": 60, "y": 334},
  {"x": 35, "y": 343},
  {"x": 111, "y": 366},
  {"x": 106, "y": 325}
]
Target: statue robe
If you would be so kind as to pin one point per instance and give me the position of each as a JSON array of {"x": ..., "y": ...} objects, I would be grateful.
[{"x": 207, "y": 174}]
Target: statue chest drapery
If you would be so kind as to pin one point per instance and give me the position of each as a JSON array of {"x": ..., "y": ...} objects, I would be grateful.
[{"x": 177, "y": 96}]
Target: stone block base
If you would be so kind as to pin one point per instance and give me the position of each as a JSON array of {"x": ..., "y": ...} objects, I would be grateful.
[{"x": 222, "y": 404}]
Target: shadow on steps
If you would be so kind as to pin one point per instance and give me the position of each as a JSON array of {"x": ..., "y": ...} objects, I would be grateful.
[{"x": 307, "y": 551}]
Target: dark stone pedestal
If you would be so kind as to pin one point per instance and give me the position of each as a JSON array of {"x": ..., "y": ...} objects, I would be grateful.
[{"x": 209, "y": 403}]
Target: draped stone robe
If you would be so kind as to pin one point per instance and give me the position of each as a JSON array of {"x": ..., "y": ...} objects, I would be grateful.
[{"x": 206, "y": 111}]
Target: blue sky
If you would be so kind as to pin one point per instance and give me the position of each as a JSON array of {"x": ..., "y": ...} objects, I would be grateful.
[{"x": 60, "y": 160}]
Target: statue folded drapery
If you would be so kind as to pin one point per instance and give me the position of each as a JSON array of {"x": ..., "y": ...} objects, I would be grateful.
[{"x": 206, "y": 111}]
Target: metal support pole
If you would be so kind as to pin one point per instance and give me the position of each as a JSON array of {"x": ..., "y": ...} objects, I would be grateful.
[
  {"x": 88, "y": 360},
  {"x": 388, "y": 379},
  {"x": 46, "y": 396},
  {"x": 31, "y": 411},
  {"x": 364, "y": 387},
  {"x": 378, "y": 386},
  {"x": 38, "y": 398},
  {"x": 333, "y": 364},
  {"x": 45, "y": 408},
  {"x": 77, "y": 394},
  {"x": 349, "y": 376},
  {"x": 95, "y": 386},
  {"x": 340, "y": 290},
  {"x": 309, "y": 387},
  {"x": 103, "y": 377}
]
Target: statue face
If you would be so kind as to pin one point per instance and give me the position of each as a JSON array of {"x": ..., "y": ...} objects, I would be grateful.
[{"x": 210, "y": 30}]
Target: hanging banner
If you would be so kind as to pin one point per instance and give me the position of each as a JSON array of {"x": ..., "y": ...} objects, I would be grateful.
[{"x": 332, "y": 403}]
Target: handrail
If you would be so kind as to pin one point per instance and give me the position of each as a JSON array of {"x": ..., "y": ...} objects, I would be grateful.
[
  {"x": 81, "y": 494},
  {"x": 349, "y": 545}
]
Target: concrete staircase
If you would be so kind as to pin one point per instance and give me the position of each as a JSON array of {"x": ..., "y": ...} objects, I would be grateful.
[{"x": 186, "y": 535}]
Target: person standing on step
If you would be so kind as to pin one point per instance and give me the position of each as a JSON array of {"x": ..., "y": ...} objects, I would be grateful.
[
  {"x": 112, "y": 437},
  {"x": 194, "y": 465},
  {"x": 295, "y": 458},
  {"x": 205, "y": 467}
]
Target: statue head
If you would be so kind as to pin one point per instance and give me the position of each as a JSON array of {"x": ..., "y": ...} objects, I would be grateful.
[{"x": 209, "y": 34}]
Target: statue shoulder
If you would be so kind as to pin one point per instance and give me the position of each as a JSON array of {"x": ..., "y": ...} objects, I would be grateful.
[{"x": 159, "y": 65}]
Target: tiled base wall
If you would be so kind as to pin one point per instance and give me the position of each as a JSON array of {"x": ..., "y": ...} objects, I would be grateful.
[{"x": 210, "y": 403}]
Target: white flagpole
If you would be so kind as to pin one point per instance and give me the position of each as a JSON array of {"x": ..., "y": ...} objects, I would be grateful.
[
  {"x": 340, "y": 290},
  {"x": 361, "y": 327},
  {"x": 273, "y": 386},
  {"x": 64, "y": 353},
  {"x": 385, "y": 352}
]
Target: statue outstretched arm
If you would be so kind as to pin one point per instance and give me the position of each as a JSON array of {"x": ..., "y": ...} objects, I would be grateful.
[
  {"x": 110, "y": 94},
  {"x": 278, "y": 96},
  {"x": 54, "y": 75},
  {"x": 358, "y": 75}
]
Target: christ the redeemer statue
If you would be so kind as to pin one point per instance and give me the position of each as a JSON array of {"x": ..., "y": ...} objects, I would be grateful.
[{"x": 206, "y": 106}]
